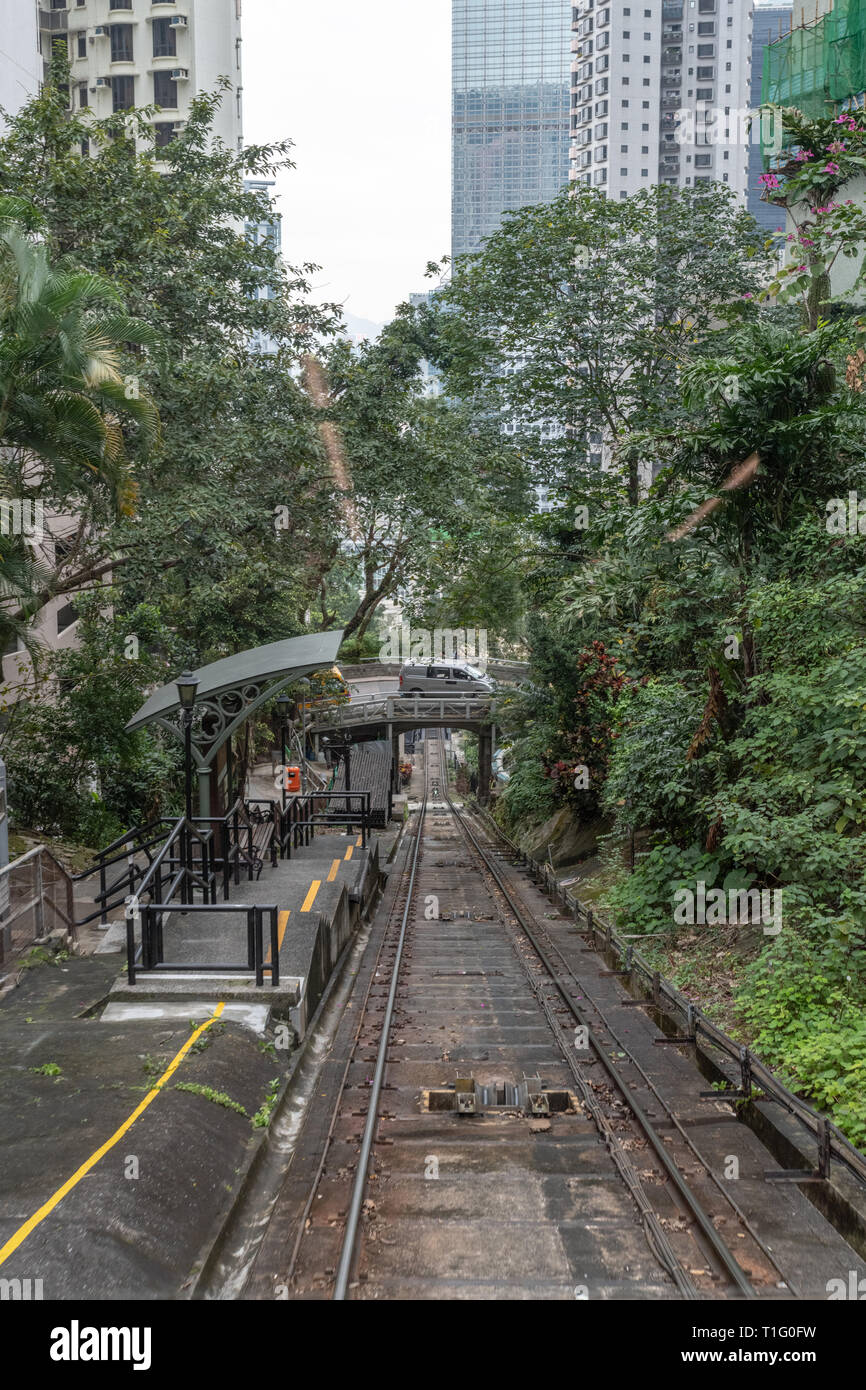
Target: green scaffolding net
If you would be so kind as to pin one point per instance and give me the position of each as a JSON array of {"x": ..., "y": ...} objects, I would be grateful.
[{"x": 819, "y": 66}]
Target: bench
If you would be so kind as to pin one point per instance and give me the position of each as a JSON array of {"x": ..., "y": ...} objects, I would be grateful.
[{"x": 256, "y": 837}]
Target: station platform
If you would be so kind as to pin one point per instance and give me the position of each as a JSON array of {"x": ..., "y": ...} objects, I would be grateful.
[{"x": 320, "y": 895}]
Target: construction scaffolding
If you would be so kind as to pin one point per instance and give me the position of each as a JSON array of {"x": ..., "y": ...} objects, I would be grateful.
[{"x": 819, "y": 67}]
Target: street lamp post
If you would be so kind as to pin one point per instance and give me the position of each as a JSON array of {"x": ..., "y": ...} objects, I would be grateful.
[{"x": 187, "y": 685}]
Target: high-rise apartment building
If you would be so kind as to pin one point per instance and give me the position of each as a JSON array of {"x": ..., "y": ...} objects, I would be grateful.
[
  {"x": 660, "y": 94},
  {"x": 136, "y": 53},
  {"x": 510, "y": 92},
  {"x": 20, "y": 59}
]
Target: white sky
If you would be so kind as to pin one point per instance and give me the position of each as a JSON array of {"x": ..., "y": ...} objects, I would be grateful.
[{"x": 363, "y": 87}]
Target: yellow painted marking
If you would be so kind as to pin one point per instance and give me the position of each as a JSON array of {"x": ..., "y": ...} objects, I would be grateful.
[
  {"x": 311, "y": 896},
  {"x": 348, "y": 854},
  {"x": 358, "y": 841},
  {"x": 19, "y": 1237},
  {"x": 332, "y": 872},
  {"x": 282, "y": 923}
]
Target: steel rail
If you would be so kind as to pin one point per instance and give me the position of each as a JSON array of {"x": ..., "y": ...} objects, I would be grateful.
[
  {"x": 711, "y": 1235},
  {"x": 350, "y": 1237}
]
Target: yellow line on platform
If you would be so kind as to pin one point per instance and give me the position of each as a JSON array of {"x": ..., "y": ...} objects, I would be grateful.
[
  {"x": 282, "y": 923},
  {"x": 311, "y": 896},
  {"x": 332, "y": 872},
  {"x": 358, "y": 842},
  {"x": 19, "y": 1237},
  {"x": 348, "y": 854}
]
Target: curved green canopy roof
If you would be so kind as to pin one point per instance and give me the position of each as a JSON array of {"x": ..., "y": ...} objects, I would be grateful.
[{"x": 268, "y": 668}]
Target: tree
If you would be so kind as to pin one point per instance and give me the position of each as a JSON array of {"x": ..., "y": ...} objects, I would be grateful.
[
  {"x": 576, "y": 317},
  {"x": 66, "y": 414},
  {"x": 234, "y": 510}
]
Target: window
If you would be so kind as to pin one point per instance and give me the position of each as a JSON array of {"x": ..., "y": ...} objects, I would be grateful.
[
  {"x": 123, "y": 93},
  {"x": 601, "y": 86},
  {"x": 83, "y": 99},
  {"x": 600, "y": 176},
  {"x": 121, "y": 43},
  {"x": 704, "y": 94},
  {"x": 120, "y": 4},
  {"x": 644, "y": 149},
  {"x": 647, "y": 37},
  {"x": 85, "y": 148},
  {"x": 81, "y": 42},
  {"x": 601, "y": 154},
  {"x": 623, "y": 149},
  {"x": 706, "y": 72},
  {"x": 164, "y": 90},
  {"x": 164, "y": 39},
  {"x": 703, "y": 161},
  {"x": 624, "y": 81},
  {"x": 58, "y": 4},
  {"x": 729, "y": 43},
  {"x": 66, "y": 616},
  {"x": 601, "y": 131},
  {"x": 706, "y": 50},
  {"x": 163, "y": 133},
  {"x": 644, "y": 173},
  {"x": 603, "y": 63},
  {"x": 601, "y": 108},
  {"x": 645, "y": 126},
  {"x": 626, "y": 33},
  {"x": 623, "y": 173},
  {"x": 646, "y": 57},
  {"x": 707, "y": 28}
]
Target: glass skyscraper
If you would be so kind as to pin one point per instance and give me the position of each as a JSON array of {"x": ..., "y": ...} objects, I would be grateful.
[
  {"x": 768, "y": 23},
  {"x": 511, "y": 79}
]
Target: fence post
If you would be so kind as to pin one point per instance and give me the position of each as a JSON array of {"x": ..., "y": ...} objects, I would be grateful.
[{"x": 40, "y": 900}]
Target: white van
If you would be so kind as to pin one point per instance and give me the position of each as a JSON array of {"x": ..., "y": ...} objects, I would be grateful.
[{"x": 445, "y": 678}]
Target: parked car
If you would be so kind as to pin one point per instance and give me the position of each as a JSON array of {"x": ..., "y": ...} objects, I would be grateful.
[{"x": 445, "y": 678}]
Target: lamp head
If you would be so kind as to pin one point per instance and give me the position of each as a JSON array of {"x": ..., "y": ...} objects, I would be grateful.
[{"x": 187, "y": 685}]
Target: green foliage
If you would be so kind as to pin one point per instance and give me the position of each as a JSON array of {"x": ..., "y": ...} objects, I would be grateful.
[
  {"x": 262, "y": 1117},
  {"x": 208, "y": 1093}
]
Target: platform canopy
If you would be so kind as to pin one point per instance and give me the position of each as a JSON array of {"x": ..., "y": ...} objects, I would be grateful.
[{"x": 232, "y": 689}]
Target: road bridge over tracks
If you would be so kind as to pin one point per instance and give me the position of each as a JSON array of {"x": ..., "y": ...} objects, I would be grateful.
[{"x": 389, "y": 716}]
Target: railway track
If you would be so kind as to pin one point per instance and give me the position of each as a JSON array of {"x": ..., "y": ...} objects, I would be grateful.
[{"x": 492, "y": 1135}]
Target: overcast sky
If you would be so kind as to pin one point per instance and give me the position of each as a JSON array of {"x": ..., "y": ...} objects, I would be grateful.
[{"x": 363, "y": 87}]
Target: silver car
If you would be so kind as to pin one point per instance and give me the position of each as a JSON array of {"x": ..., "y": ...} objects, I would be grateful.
[{"x": 445, "y": 678}]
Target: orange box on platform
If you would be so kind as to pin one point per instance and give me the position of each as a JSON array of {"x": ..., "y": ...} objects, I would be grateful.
[{"x": 293, "y": 779}]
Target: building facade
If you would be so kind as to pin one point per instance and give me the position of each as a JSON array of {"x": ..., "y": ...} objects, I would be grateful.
[
  {"x": 510, "y": 93},
  {"x": 134, "y": 53},
  {"x": 660, "y": 94},
  {"x": 20, "y": 57},
  {"x": 267, "y": 230}
]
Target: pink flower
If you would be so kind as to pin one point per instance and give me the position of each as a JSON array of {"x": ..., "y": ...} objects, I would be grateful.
[
  {"x": 804, "y": 154},
  {"x": 801, "y": 267},
  {"x": 837, "y": 147},
  {"x": 769, "y": 180},
  {"x": 747, "y": 296},
  {"x": 831, "y": 168}
]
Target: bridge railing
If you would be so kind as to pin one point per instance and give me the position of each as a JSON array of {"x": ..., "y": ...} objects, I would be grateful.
[{"x": 419, "y": 709}]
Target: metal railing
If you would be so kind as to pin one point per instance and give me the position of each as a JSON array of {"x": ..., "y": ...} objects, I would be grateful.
[
  {"x": 187, "y": 865},
  {"x": 299, "y": 819},
  {"x": 148, "y": 957},
  {"x": 36, "y": 898},
  {"x": 407, "y": 709}
]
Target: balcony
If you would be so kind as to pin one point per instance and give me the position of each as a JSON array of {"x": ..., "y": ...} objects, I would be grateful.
[{"x": 54, "y": 21}]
